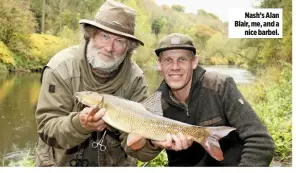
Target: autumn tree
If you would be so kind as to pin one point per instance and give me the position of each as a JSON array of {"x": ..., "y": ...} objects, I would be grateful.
[
  {"x": 156, "y": 26},
  {"x": 178, "y": 8},
  {"x": 15, "y": 20},
  {"x": 202, "y": 34}
]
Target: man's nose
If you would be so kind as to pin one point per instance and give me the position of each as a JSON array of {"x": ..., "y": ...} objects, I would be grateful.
[
  {"x": 175, "y": 65},
  {"x": 109, "y": 46}
]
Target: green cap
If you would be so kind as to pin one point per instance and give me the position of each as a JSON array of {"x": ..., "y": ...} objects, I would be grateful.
[{"x": 175, "y": 41}]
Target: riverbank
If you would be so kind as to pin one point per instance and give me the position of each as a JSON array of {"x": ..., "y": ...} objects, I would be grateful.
[
  {"x": 271, "y": 98},
  {"x": 31, "y": 54}
]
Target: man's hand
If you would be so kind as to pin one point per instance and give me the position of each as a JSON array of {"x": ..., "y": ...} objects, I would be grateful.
[
  {"x": 91, "y": 119},
  {"x": 139, "y": 143},
  {"x": 173, "y": 142}
]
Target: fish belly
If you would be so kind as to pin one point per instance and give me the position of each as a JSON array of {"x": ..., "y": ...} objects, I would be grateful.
[{"x": 147, "y": 126}]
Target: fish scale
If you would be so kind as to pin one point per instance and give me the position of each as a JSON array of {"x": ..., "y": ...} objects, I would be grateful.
[{"x": 146, "y": 121}]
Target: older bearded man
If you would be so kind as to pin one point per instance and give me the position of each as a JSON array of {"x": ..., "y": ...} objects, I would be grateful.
[{"x": 101, "y": 63}]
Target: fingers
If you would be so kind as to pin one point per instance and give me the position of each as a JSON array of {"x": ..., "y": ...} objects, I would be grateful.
[
  {"x": 190, "y": 141},
  {"x": 167, "y": 144},
  {"x": 174, "y": 142},
  {"x": 91, "y": 118},
  {"x": 99, "y": 114},
  {"x": 180, "y": 142},
  {"x": 169, "y": 141},
  {"x": 177, "y": 146},
  {"x": 96, "y": 125},
  {"x": 93, "y": 112}
]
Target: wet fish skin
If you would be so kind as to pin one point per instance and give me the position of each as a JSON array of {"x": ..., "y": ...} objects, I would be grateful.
[{"x": 134, "y": 118}]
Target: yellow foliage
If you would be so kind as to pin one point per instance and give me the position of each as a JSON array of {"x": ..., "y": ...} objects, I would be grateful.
[
  {"x": 218, "y": 61},
  {"x": 272, "y": 74},
  {"x": 45, "y": 46},
  {"x": 6, "y": 56},
  {"x": 204, "y": 30}
]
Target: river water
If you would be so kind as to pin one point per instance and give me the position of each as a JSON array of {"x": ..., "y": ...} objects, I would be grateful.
[{"x": 18, "y": 96}]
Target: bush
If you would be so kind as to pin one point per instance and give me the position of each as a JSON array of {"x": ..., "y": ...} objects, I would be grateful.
[
  {"x": 27, "y": 161},
  {"x": 218, "y": 61},
  {"x": 15, "y": 19},
  {"x": 31, "y": 52},
  {"x": 7, "y": 61},
  {"x": 3, "y": 69},
  {"x": 45, "y": 46},
  {"x": 159, "y": 161},
  {"x": 6, "y": 56},
  {"x": 272, "y": 101}
]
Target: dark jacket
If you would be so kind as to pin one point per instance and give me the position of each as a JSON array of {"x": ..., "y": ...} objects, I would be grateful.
[{"x": 214, "y": 100}]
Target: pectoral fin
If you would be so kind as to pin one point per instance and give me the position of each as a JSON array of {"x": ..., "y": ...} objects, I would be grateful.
[
  {"x": 135, "y": 141},
  {"x": 153, "y": 103}
]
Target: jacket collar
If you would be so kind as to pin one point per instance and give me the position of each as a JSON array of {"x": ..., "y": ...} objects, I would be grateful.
[{"x": 197, "y": 76}]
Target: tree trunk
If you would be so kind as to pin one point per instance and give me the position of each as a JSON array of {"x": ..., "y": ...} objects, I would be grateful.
[
  {"x": 43, "y": 16},
  {"x": 61, "y": 15}
]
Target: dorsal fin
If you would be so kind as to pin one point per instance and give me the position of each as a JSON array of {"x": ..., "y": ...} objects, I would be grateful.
[{"x": 153, "y": 103}]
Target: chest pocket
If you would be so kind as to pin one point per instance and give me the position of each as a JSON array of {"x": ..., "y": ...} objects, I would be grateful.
[
  {"x": 209, "y": 112},
  {"x": 215, "y": 121},
  {"x": 210, "y": 117}
]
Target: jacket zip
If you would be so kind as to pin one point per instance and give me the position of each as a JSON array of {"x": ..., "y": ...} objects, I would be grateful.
[{"x": 170, "y": 101}]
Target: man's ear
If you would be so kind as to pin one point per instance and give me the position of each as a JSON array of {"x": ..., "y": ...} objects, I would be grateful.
[
  {"x": 158, "y": 65},
  {"x": 195, "y": 62}
]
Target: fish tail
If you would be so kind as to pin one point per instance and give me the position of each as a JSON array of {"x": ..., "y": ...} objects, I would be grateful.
[{"x": 210, "y": 139}]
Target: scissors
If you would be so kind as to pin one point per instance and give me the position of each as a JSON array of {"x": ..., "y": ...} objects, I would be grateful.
[{"x": 100, "y": 143}]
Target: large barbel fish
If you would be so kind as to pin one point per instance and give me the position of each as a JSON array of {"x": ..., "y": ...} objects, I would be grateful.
[{"x": 145, "y": 119}]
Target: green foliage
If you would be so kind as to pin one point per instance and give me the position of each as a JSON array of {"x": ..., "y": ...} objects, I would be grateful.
[
  {"x": 202, "y": 34},
  {"x": 159, "y": 161},
  {"x": 217, "y": 61},
  {"x": 27, "y": 161},
  {"x": 215, "y": 45},
  {"x": 201, "y": 12},
  {"x": 6, "y": 56},
  {"x": 272, "y": 102},
  {"x": 64, "y": 13},
  {"x": 15, "y": 19},
  {"x": 156, "y": 26},
  {"x": 152, "y": 20},
  {"x": 213, "y": 16},
  {"x": 70, "y": 36},
  {"x": 34, "y": 52},
  {"x": 266, "y": 52},
  {"x": 3, "y": 69},
  {"x": 178, "y": 8}
]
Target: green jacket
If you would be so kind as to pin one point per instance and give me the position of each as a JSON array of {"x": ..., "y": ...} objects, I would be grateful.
[{"x": 61, "y": 135}]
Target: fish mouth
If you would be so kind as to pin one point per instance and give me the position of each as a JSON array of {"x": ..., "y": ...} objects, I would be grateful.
[{"x": 89, "y": 98}]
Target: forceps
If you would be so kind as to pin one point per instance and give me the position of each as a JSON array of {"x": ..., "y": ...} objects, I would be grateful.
[{"x": 100, "y": 143}]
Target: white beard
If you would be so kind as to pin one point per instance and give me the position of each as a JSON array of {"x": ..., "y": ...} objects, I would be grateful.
[{"x": 98, "y": 63}]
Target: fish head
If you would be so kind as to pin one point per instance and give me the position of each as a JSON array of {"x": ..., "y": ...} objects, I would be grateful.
[{"x": 89, "y": 98}]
